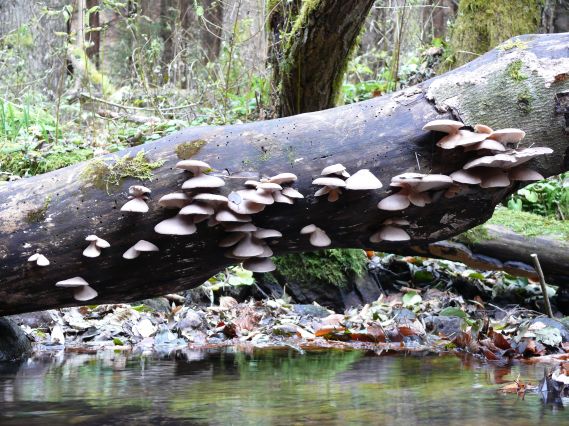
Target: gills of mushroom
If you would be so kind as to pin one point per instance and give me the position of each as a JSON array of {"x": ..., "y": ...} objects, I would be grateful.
[{"x": 330, "y": 186}]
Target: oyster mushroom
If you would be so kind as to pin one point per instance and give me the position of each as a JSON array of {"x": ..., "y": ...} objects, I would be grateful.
[
  {"x": 318, "y": 237},
  {"x": 175, "y": 200},
  {"x": 508, "y": 159},
  {"x": 335, "y": 169},
  {"x": 82, "y": 290},
  {"x": 39, "y": 259},
  {"x": 95, "y": 246},
  {"x": 363, "y": 180},
  {"x": 261, "y": 265},
  {"x": 177, "y": 225},
  {"x": 138, "y": 196},
  {"x": 330, "y": 186},
  {"x": 140, "y": 247},
  {"x": 390, "y": 232},
  {"x": 414, "y": 189},
  {"x": 199, "y": 178}
]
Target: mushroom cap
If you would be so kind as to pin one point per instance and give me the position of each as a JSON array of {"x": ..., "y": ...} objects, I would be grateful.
[
  {"x": 280, "y": 198},
  {"x": 319, "y": 238},
  {"x": 257, "y": 196},
  {"x": 138, "y": 190},
  {"x": 91, "y": 238},
  {"x": 246, "y": 207},
  {"x": 421, "y": 183},
  {"x": 322, "y": 191},
  {"x": 482, "y": 128},
  {"x": 33, "y": 257},
  {"x": 461, "y": 138},
  {"x": 144, "y": 245},
  {"x": 248, "y": 247},
  {"x": 203, "y": 181},
  {"x": 92, "y": 250},
  {"x": 211, "y": 199},
  {"x": 131, "y": 253},
  {"x": 194, "y": 166},
  {"x": 335, "y": 169},
  {"x": 291, "y": 193},
  {"x": 136, "y": 205},
  {"x": 389, "y": 233},
  {"x": 283, "y": 178},
  {"x": 394, "y": 202},
  {"x": 507, "y": 135},
  {"x": 195, "y": 208},
  {"x": 177, "y": 225},
  {"x": 85, "y": 293},
  {"x": 363, "y": 180},
  {"x": 330, "y": 182},
  {"x": 267, "y": 252},
  {"x": 493, "y": 178},
  {"x": 175, "y": 200},
  {"x": 308, "y": 229},
  {"x": 509, "y": 159},
  {"x": 465, "y": 176},
  {"x": 252, "y": 183},
  {"x": 489, "y": 144},
  {"x": 239, "y": 227},
  {"x": 269, "y": 186},
  {"x": 524, "y": 174},
  {"x": 102, "y": 243},
  {"x": 419, "y": 199},
  {"x": 262, "y": 233},
  {"x": 259, "y": 265},
  {"x": 229, "y": 216},
  {"x": 42, "y": 260},
  {"x": 445, "y": 126},
  {"x": 72, "y": 282},
  {"x": 231, "y": 239}
]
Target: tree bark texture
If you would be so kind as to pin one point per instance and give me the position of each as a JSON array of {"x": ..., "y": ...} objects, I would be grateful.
[
  {"x": 310, "y": 72},
  {"x": 53, "y": 213}
]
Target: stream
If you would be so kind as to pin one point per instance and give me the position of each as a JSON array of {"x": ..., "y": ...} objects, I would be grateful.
[{"x": 267, "y": 387}]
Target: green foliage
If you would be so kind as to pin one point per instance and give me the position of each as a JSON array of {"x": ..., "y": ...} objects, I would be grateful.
[
  {"x": 327, "y": 267},
  {"x": 548, "y": 197},
  {"x": 514, "y": 70},
  {"x": 529, "y": 224}
]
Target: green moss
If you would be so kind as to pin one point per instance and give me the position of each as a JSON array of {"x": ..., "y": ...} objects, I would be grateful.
[
  {"x": 513, "y": 44},
  {"x": 103, "y": 174},
  {"x": 483, "y": 24},
  {"x": 525, "y": 100},
  {"x": 326, "y": 267},
  {"x": 187, "y": 150},
  {"x": 514, "y": 71},
  {"x": 38, "y": 215},
  {"x": 529, "y": 224},
  {"x": 474, "y": 236}
]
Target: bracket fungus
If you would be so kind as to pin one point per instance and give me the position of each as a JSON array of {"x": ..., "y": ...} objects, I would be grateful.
[
  {"x": 318, "y": 237},
  {"x": 199, "y": 178},
  {"x": 82, "y": 290},
  {"x": 140, "y": 247},
  {"x": 415, "y": 189},
  {"x": 138, "y": 196},
  {"x": 39, "y": 259},
  {"x": 95, "y": 246}
]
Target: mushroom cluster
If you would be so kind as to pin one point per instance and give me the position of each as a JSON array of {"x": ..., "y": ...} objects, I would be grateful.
[
  {"x": 246, "y": 242},
  {"x": 415, "y": 189},
  {"x": 332, "y": 181}
]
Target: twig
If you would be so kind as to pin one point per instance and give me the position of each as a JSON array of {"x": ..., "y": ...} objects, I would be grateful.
[
  {"x": 102, "y": 101},
  {"x": 543, "y": 286}
]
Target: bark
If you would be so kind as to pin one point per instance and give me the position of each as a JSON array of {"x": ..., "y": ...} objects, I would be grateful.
[
  {"x": 505, "y": 250},
  {"x": 53, "y": 213},
  {"x": 35, "y": 41},
  {"x": 310, "y": 72}
]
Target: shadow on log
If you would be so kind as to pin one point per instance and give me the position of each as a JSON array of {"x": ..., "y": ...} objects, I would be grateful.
[{"x": 53, "y": 213}]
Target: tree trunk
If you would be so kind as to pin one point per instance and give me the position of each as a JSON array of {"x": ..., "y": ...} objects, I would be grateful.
[
  {"x": 310, "y": 73},
  {"x": 53, "y": 213},
  {"x": 34, "y": 39}
]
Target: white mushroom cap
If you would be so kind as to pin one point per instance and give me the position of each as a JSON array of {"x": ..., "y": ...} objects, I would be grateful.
[
  {"x": 489, "y": 144},
  {"x": 508, "y": 159},
  {"x": 466, "y": 176},
  {"x": 145, "y": 246},
  {"x": 363, "y": 180},
  {"x": 283, "y": 178},
  {"x": 138, "y": 190},
  {"x": 39, "y": 259},
  {"x": 131, "y": 253},
  {"x": 461, "y": 138},
  {"x": 248, "y": 247},
  {"x": 72, "y": 282},
  {"x": 508, "y": 135},
  {"x": 177, "y": 225},
  {"x": 246, "y": 207},
  {"x": 136, "y": 205},
  {"x": 231, "y": 239},
  {"x": 95, "y": 246},
  {"x": 267, "y": 252},
  {"x": 203, "y": 181},
  {"x": 335, "y": 169},
  {"x": 319, "y": 238},
  {"x": 193, "y": 209},
  {"x": 524, "y": 174},
  {"x": 280, "y": 198},
  {"x": 194, "y": 166},
  {"x": 308, "y": 229},
  {"x": 175, "y": 200},
  {"x": 399, "y": 201},
  {"x": 211, "y": 199},
  {"x": 445, "y": 126},
  {"x": 419, "y": 199},
  {"x": 421, "y": 183},
  {"x": 239, "y": 227},
  {"x": 269, "y": 186},
  {"x": 262, "y": 233},
  {"x": 229, "y": 216},
  {"x": 389, "y": 233},
  {"x": 259, "y": 265},
  {"x": 493, "y": 178},
  {"x": 257, "y": 196},
  {"x": 84, "y": 293},
  {"x": 482, "y": 128},
  {"x": 330, "y": 182},
  {"x": 291, "y": 193}
]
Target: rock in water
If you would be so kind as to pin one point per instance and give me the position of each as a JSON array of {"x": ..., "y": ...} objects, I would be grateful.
[{"x": 14, "y": 343}]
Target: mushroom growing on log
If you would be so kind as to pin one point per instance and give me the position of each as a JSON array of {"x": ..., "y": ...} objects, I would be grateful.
[{"x": 383, "y": 135}]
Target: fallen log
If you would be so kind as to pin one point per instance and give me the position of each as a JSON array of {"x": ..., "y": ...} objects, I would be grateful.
[{"x": 52, "y": 214}]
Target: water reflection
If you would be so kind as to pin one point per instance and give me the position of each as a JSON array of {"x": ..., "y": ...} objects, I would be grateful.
[{"x": 264, "y": 388}]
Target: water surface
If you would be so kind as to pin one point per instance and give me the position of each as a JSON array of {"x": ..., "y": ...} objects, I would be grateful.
[{"x": 266, "y": 387}]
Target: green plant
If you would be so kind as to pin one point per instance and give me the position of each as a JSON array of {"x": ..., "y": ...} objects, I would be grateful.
[{"x": 548, "y": 197}]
